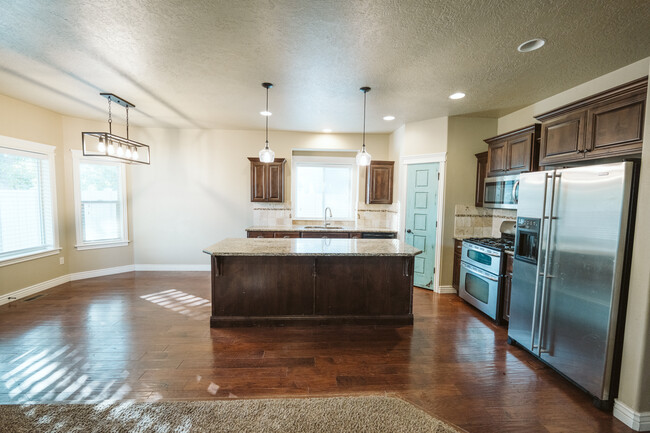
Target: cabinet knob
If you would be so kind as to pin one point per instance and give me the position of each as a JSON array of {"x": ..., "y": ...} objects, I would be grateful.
[{"x": 409, "y": 231}]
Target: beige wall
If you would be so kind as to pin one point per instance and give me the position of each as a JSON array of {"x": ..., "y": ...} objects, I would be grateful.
[
  {"x": 197, "y": 190},
  {"x": 635, "y": 374},
  {"x": 427, "y": 136},
  {"x": 465, "y": 139},
  {"x": 29, "y": 122}
]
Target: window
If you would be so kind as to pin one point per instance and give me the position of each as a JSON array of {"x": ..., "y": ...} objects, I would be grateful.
[
  {"x": 100, "y": 202},
  {"x": 321, "y": 182},
  {"x": 27, "y": 201}
]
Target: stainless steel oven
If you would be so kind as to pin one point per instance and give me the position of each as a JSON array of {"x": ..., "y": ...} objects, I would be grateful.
[
  {"x": 480, "y": 275},
  {"x": 501, "y": 192}
]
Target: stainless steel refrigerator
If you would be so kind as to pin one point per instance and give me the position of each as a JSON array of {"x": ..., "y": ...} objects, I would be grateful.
[{"x": 571, "y": 264}]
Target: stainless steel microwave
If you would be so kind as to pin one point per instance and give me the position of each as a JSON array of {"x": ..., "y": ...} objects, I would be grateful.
[{"x": 501, "y": 192}]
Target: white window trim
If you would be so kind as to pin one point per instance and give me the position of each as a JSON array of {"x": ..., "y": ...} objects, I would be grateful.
[
  {"x": 324, "y": 160},
  {"x": 19, "y": 147},
  {"x": 77, "y": 157}
]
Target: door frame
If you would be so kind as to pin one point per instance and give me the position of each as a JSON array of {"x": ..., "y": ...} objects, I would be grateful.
[{"x": 404, "y": 162}]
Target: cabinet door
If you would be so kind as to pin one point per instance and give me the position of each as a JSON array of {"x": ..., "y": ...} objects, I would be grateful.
[
  {"x": 258, "y": 181},
  {"x": 355, "y": 235},
  {"x": 275, "y": 181},
  {"x": 507, "y": 289},
  {"x": 379, "y": 182},
  {"x": 458, "y": 248},
  {"x": 518, "y": 153},
  {"x": 481, "y": 173},
  {"x": 497, "y": 158},
  {"x": 616, "y": 127},
  {"x": 563, "y": 139}
]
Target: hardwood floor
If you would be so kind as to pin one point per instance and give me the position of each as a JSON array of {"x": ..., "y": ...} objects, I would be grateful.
[{"x": 146, "y": 336}]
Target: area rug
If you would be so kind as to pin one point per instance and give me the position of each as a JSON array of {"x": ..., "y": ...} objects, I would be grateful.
[{"x": 339, "y": 414}]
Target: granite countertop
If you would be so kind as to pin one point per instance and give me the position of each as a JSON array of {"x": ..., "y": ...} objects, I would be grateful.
[
  {"x": 309, "y": 228},
  {"x": 311, "y": 247},
  {"x": 509, "y": 252}
]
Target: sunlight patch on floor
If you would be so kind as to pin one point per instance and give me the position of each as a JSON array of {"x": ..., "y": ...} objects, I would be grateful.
[{"x": 183, "y": 303}]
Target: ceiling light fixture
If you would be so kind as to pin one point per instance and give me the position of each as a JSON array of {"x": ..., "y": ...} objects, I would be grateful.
[
  {"x": 457, "y": 95},
  {"x": 389, "y": 118},
  {"x": 266, "y": 154},
  {"x": 363, "y": 157},
  {"x": 532, "y": 45},
  {"x": 109, "y": 145},
  {"x": 327, "y": 130}
]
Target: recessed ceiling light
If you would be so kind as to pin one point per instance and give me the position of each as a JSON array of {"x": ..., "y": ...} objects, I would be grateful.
[
  {"x": 457, "y": 95},
  {"x": 265, "y": 113},
  {"x": 532, "y": 45},
  {"x": 327, "y": 130},
  {"x": 389, "y": 117}
]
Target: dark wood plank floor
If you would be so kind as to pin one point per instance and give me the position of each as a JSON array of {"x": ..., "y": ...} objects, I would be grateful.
[{"x": 145, "y": 336}]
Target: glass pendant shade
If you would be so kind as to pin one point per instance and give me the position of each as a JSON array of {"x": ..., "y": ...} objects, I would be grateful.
[
  {"x": 363, "y": 157},
  {"x": 266, "y": 154}
]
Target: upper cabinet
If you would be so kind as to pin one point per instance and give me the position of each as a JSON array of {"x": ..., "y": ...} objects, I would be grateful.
[
  {"x": 513, "y": 152},
  {"x": 379, "y": 182},
  {"x": 481, "y": 173},
  {"x": 267, "y": 180},
  {"x": 604, "y": 125}
]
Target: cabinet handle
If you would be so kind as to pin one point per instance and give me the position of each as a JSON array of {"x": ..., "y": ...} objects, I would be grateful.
[
  {"x": 286, "y": 237},
  {"x": 260, "y": 237}
]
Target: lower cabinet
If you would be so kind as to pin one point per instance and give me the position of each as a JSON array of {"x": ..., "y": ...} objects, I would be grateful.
[
  {"x": 261, "y": 234},
  {"x": 507, "y": 286},
  {"x": 286, "y": 234},
  {"x": 325, "y": 235},
  {"x": 458, "y": 248}
]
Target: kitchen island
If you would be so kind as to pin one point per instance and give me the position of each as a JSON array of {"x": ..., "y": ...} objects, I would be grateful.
[{"x": 311, "y": 281}]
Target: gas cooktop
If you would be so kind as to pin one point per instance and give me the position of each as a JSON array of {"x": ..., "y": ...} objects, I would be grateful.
[{"x": 501, "y": 244}]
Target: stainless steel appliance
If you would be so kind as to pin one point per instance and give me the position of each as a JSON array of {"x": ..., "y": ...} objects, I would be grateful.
[
  {"x": 481, "y": 273},
  {"x": 501, "y": 192},
  {"x": 572, "y": 249}
]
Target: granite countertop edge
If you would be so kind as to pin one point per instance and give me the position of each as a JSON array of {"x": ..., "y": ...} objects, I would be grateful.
[{"x": 319, "y": 229}]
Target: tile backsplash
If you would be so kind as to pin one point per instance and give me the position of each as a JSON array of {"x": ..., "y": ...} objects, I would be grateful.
[
  {"x": 371, "y": 216},
  {"x": 473, "y": 221}
]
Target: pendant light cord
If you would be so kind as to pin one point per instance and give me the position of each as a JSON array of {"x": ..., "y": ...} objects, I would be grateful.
[
  {"x": 364, "y": 118},
  {"x": 267, "y": 118}
]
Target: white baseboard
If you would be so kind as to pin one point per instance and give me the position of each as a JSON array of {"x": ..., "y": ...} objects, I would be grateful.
[
  {"x": 639, "y": 421},
  {"x": 174, "y": 268},
  {"x": 27, "y": 291},
  {"x": 101, "y": 272},
  {"x": 443, "y": 290}
]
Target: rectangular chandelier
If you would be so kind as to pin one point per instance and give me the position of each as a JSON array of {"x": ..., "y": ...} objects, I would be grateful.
[{"x": 107, "y": 144}]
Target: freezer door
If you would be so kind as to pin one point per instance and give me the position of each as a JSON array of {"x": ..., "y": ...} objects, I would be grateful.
[
  {"x": 523, "y": 306},
  {"x": 587, "y": 243}
]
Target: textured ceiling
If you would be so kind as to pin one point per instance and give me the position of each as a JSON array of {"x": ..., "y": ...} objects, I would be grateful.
[{"x": 200, "y": 63}]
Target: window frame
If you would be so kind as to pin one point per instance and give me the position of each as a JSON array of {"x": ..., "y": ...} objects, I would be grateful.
[
  {"x": 324, "y": 161},
  {"x": 15, "y": 146},
  {"x": 80, "y": 244}
]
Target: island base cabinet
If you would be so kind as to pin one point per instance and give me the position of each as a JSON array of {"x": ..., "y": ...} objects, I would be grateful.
[{"x": 299, "y": 290}]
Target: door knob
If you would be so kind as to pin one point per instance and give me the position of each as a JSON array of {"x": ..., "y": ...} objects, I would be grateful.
[{"x": 409, "y": 231}]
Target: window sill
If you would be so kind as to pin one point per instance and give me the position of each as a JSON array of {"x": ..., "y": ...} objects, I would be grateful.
[
  {"x": 30, "y": 256},
  {"x": 95, "y": 246}
]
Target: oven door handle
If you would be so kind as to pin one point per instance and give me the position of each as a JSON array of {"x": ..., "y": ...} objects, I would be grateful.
[
  {"x": 476, "y": 271},
  {"x": 482, "y": 251}
]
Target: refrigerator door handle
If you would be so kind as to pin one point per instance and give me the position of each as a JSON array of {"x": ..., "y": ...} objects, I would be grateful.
[
  {"x": 533, "y": 346},
  {"x": 542, "y": 308}
]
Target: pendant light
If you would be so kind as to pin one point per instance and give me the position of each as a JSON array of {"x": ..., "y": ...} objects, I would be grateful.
[
  {"x": 363, "y": 157},
  {"x": 107, "y": 144},
  {"x": 266, "y": 154}
]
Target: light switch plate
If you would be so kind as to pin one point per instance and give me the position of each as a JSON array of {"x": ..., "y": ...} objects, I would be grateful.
[{"x": 61, "y": 260}]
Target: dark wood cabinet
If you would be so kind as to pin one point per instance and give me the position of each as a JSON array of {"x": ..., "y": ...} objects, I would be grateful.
[
  {"x": 608, "y": 124},
  {"x": 325, "y": 235},
  {"x": 260, "y": 234},
  {"x": 507, "y": 286},
  {"x": 513, "y": 152},
  {"x": 481, "y": 173},
  {"x": 458, "y": 249},
  {"x": 267, "y": 180},
  {"x": 286, "y": 234},
  {"x": 379, "y": 182}
]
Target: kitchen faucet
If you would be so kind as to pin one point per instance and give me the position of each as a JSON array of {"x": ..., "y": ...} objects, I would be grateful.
[{"x": 325, "y": 223}]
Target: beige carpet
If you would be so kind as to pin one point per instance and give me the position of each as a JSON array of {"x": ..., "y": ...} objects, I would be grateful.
[{"x": 340, "y": 414}]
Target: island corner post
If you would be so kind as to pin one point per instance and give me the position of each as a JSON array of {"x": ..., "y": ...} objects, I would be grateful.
[{"x": 311, "y": 282}]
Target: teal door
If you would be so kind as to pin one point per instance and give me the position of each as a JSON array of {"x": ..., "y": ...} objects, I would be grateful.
[{"x": 421, "y": 219}]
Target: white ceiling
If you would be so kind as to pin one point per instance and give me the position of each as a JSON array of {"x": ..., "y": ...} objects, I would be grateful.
[{"x": 200, "y": 63}]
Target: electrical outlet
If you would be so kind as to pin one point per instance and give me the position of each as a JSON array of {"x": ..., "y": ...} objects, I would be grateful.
[{"x": 61, "y": 260}]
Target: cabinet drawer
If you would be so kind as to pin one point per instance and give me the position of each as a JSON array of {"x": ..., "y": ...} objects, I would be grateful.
[
  {"x": 326, "y": 235},
  {"x": 286, "y": 234},
  {"x": 260, "y": 234}
]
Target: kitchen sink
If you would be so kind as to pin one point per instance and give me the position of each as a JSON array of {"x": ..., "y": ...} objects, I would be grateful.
[{"x": 324, "y": 227}]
